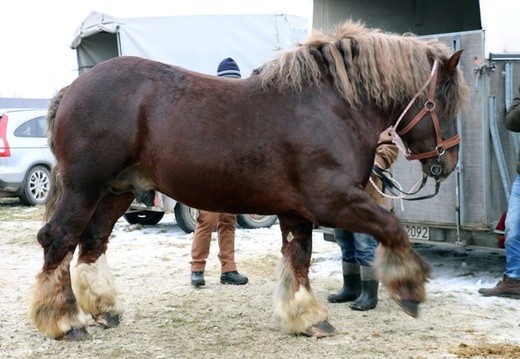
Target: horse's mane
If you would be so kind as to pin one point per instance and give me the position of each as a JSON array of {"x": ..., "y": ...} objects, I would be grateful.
[{"x": 388, "y": 68}]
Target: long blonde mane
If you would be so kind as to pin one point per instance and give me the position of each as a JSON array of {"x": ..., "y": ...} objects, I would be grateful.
[{"x": 387, "y": 68}]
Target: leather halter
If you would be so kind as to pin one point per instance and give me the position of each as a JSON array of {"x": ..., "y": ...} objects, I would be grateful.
[{"x": 429, "y": 106}]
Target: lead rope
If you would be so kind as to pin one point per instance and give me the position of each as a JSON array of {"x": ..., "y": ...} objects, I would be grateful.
[{"x": 400, "y": 197}]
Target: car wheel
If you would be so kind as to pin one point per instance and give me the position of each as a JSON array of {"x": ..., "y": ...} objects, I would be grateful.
[
  {"x": 252, "y": 221},
  {"x": 36, "y": 186},
  {"x": 186, "y": 217},
  {"x": 144, "y": 217}
]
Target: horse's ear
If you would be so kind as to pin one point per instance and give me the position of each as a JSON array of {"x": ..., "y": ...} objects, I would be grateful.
[
  {"x": 454, "y": 60},
  {"x": 451, "y": 65}
]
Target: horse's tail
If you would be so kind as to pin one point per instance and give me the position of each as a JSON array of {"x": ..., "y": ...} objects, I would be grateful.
[
  {"x": 51, "y": 116},
  {"x": 55, "y": 192},
  {"x": 56, "y": 183}
]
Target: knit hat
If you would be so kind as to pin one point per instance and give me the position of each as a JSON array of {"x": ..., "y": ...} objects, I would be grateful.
[{"x": 228, "y": 68}]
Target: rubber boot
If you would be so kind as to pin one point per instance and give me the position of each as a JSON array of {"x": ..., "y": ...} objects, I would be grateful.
[
  {"x": 351, "y": 284},
  {"x": 369, "y": 289}
]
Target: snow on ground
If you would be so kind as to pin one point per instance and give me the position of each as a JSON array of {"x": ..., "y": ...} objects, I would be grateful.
[
  {"x": 166, "y": 317},
  {"x": 453, "y": 266}
]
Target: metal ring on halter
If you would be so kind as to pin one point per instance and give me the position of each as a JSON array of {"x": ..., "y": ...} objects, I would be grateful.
[
  {"x": 436, "y": 170},
  {"x": 440, "y": 150},
  {"x": 429, "y": 105}
]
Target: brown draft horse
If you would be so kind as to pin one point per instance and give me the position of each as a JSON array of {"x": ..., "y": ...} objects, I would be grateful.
[{"x": 296, "y": 139}]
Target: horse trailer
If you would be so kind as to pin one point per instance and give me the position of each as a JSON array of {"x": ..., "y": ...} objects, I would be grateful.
[
  {"x": 197, "y": 42},
  {"x": 474, "y": 198}
]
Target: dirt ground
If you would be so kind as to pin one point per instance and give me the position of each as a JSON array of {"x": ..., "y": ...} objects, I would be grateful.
[{"x": 166, "y": 318}]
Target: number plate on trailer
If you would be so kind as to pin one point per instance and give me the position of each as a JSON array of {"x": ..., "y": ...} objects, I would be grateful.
[{"x": 418, "y": 232}]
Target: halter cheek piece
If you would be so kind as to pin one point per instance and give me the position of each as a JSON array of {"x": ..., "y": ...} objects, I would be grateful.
[
  {"x": 441, "y": 145},
  {"x": 429, "y": 107}
]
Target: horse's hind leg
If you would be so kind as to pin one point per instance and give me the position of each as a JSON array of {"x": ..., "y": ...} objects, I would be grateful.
[
  {"x": 53, "y": 309},
  {"x": 295, "y": 304},
  {"x": 92, "y": 280}
]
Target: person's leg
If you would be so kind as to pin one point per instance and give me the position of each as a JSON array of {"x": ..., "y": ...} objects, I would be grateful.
[
  {"x": 510, "y": 285},
  {"x": 365, "y": 255},
  {"x": 351, "y": 277},
  {"x": 365, "y": 249},
  {"x": 512, "y": 233},
  {"x": 226, "y": 241},
  {"x": 206, "y": 223},
  {"x": 226, "y": 255}
]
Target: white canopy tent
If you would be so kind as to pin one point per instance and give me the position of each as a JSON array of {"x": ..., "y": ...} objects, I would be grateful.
[{"x": 197, "y": 43}]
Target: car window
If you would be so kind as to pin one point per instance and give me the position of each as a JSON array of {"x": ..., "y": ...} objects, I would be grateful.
[
  {"x": 42, "y": 126},
  {"x": 31, "y": 128}
]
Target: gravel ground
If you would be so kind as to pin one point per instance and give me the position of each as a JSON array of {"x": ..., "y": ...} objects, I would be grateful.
[{"x": 166, "y": 318}]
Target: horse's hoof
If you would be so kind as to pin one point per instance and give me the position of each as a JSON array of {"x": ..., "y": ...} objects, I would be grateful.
[
  {"x": 320, "y": 330},
  {"x": 75, "y": 335},
  {"x": 107, "y": 320},
  {"x": 410, "y": 307}
]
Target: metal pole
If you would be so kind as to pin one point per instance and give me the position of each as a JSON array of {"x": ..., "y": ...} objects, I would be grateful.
[
  {"x": 459, "y": 183},
  {"x": 499, "y": 152},
  {"x": 508, "y": 97}
]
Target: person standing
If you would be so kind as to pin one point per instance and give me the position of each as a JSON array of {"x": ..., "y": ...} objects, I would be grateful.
[
  {"x": 360, "y": 282},
  {"x": 224, "y": 222},
  {"x": 509, "y": 286}
]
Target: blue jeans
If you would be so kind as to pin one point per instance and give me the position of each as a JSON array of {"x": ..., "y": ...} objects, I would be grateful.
[
  {"x": 356, "y": 247},
  {"x": 512, "y": 233}
]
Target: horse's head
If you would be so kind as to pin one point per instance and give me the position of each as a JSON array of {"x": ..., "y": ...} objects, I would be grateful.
[{"x": 429, "y": 128}]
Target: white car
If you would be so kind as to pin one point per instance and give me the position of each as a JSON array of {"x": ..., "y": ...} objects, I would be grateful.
[
  {"x": 25, "y": 157},
  {"x": 186, "y": 217}
]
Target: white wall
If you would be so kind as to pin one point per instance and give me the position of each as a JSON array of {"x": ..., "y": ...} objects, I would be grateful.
[{"x": 500, "y": 21}]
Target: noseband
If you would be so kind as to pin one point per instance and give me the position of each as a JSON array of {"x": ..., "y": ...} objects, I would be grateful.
[{"x": 429, "y": 107}]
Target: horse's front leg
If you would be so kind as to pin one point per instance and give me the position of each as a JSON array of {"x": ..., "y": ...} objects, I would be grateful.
[
  {"x": 401, "y": 269},
  {"x": 295, "y": 304},
  {"x": 404, "y": 273}
]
